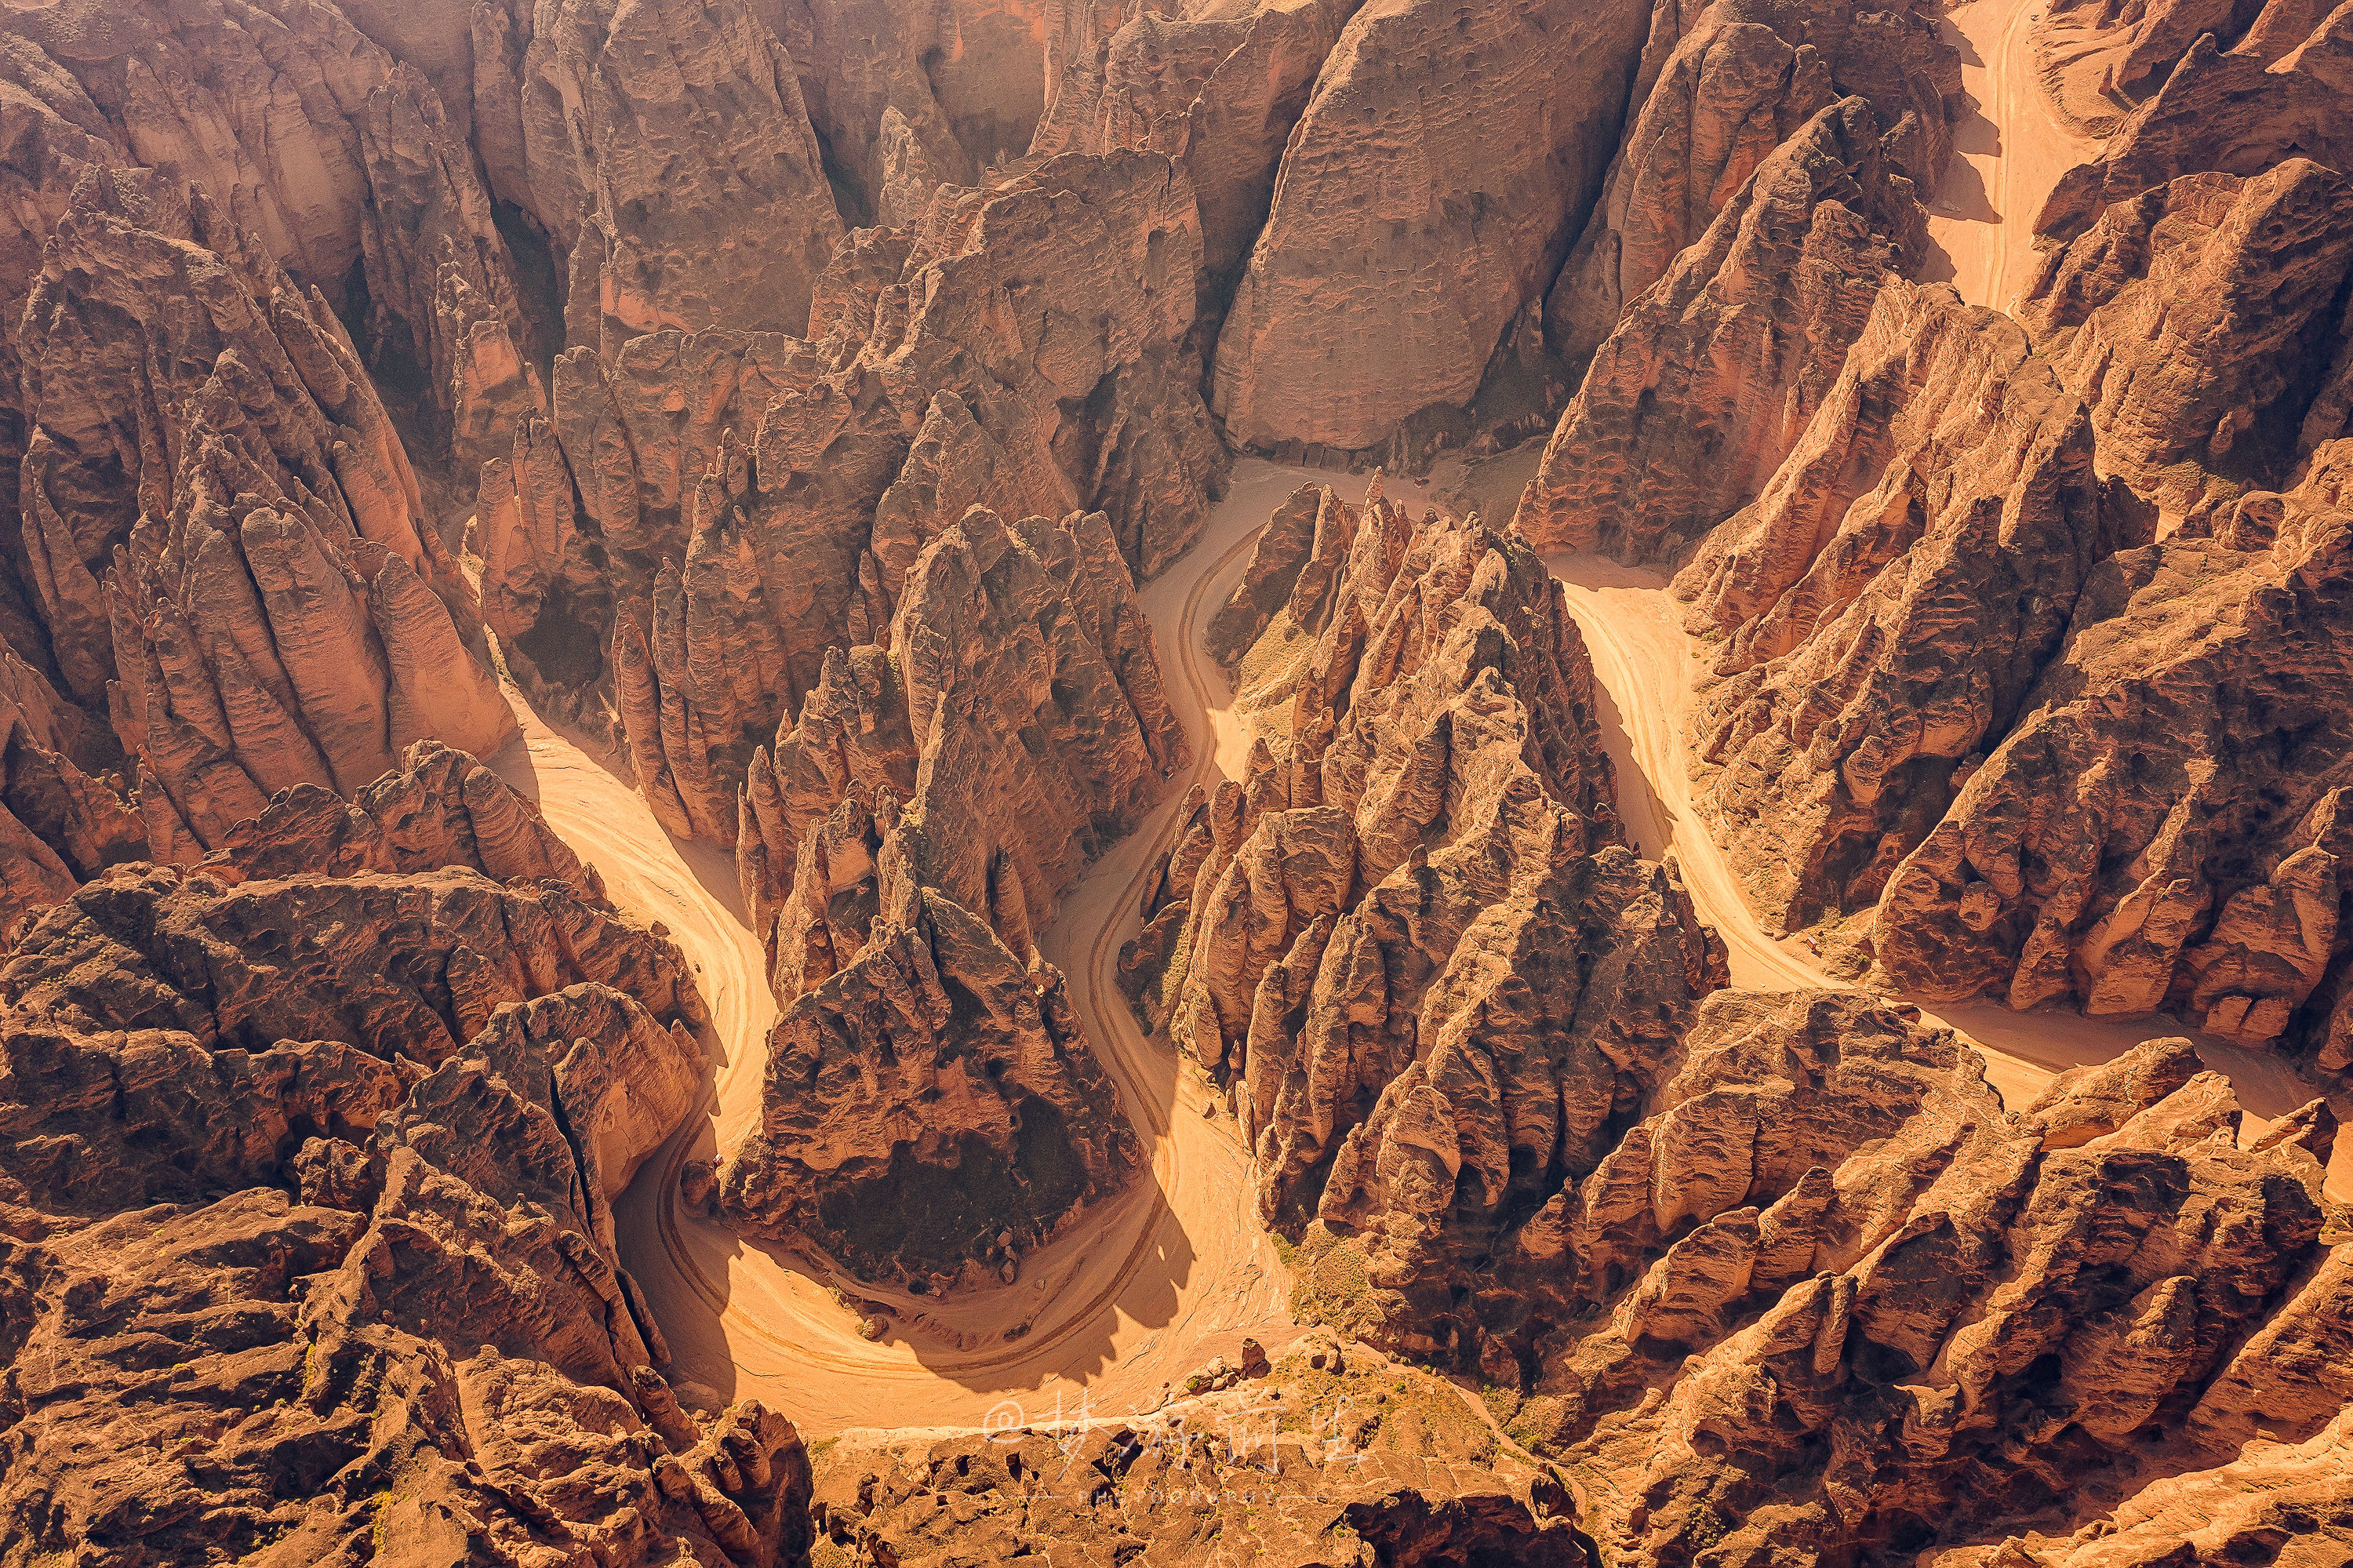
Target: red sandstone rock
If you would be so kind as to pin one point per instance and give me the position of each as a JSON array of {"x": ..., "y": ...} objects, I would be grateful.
[
  {"x": 1425, "y": 199},
  {"x": 1707, "y": 381}
]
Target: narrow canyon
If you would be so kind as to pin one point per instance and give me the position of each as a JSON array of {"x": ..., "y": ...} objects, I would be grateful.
[{"x": 1336, "y": 783}]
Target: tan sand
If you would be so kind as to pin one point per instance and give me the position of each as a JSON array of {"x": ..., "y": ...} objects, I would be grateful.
[
  {"x": 2006, "y": 156},
  {"x": 1144, "y": 1291},
  {"x": 1151, "y": 1285}
]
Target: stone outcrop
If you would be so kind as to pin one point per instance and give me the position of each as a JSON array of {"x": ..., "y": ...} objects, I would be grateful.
[
  {"x": 1392, "y": 1465},
  {"x": 1708, "y": 381},
  {"x": 337, "y": 158},
  {"x": 312, "y": 1175},
  {"x": 746, "y": 502},
  {"x": 2163, "y": 829},
  {"x": 1409, "y": 942},
  {"x": 62, "y": 818},
  {"x": 228, "y": 543},
  {"x": 2238, "y": 112},
  {"x": 1429, "y": 193},
  {"x": 2058, "y": 736},
  {"x": 1743, "y": 80},
  {"x": 1828, "y": 1297},
  {"x": 1883, "y": 609},
  {"x": 2196, "y": 321},
  {"x": 614, "y": 118},
  {"x": 2098, "y": 61},
  {"x": 1218, "y": 93},
  {"x": 928, "y": 1080}
]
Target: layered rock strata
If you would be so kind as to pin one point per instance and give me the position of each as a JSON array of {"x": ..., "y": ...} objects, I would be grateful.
[
  {"x": 1218, "y": 94},
  {"x": 1409, "y": 942},
  {"x": 2238, "y": 112},
  {"x": 1741, "y": 81},
  {"x": 746, "y": 502},
  {"x": 2098, "y": 62},
  {"x": 1708, "y": 380},
  {"x": 228, "y": 541},
  {"x": 338, "y": 161},
  {"x": 2192, "y": 859},
  {"x": 312, "y": 1176},
  {"x": 1826, "y": 1297},
  {"x": 932, "y": 1107},
  {"x": 1880, "y": 614},
  {"x": 2054, "y": 736},
  {"x": 1427, "y": 194}
]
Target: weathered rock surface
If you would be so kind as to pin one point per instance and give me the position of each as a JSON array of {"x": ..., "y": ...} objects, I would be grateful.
[
  {"x": 228, "y": 540},
  {"x": 1708, "y": 380},
  {"x": 1886, "y": 606},
  {"x": 1429, "y": 192},
  {"x": 2239, "y": 113},
  {"x": 1828, "y": 1299},
  {"x": 1743, "y": 80},
  {"x": 1375, "y": 1464},
  {"x": 1409, "y": 943},
  {"x": 665, "y": 144},
  {"x": 1218, "y": 93},
  {"x": 2196, "y": 321},
  {"x": 2163, "y": 829},
  {"x": 308, "y": 1180},
  {"x": 2098, "y": 61},
  {"x": 748, "y": 501},
  {"x": 336, "y": 157},
  {"x": 928, "y": 1080}
]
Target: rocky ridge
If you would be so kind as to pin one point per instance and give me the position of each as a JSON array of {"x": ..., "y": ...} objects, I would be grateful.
[
  {"x": 932, "y": 1109},
  {"x": 1409, "y": 943},
  {"x": 309, "y": 1186}
]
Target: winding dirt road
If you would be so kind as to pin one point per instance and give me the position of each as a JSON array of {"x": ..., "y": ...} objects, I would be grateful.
[
  {"x": 1648, "y": 668},
  {"x": 1158, "y": 1280},
  {"x": 2006, "y": 157}
]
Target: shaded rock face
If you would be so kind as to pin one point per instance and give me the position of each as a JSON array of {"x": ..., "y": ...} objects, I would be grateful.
[
  {"x": 2196, "y": 321},
  {"x": 225, "y": 538},
  {"x": 1827, "y": 1299},
  {"x": 2163, "y": 830},
  {"x": 1409, "y": 942},
  {"x": 666, "y": 224},
  {"x": 748, "y": 501},
  {"x": 928, "y": 1082},
  {"x": 1742, "y": 80},
  {"x": 338, "y": 159},
  {"x": 2024, "y": 649},
  {"x": 1708, "y": 380},
  {"x": 2098, "y": 62},
  {"x": 1220, "y": 94},
  {"x": 312, "y": 1174},
  {"x": 1886, "y": 605},
  {"x": 1427, "y": 194},
  {"x": 2279, "y": 95},
  {"x": 1391, "y": 1465}
]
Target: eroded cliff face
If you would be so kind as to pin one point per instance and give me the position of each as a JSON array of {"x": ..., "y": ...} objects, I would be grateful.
[
  {"x": 928, "y": 1082},
  {"x": 2098, "y": 63},
  {"x": 748, "y": 501},
  {"x": 1409, "y": 943},
  {"x": 309, "y": 1173},
  {"x": 1881, "y": 612},
  {"x": 1707, "y": 382},
  {"x": 1828, "y": 1297},
  {"x": 2026, "y": 648},
  {"x": 1738, "y": 81},
  {"x": 1427, "y": 194},
  {"x": 225, "y": 538}
]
